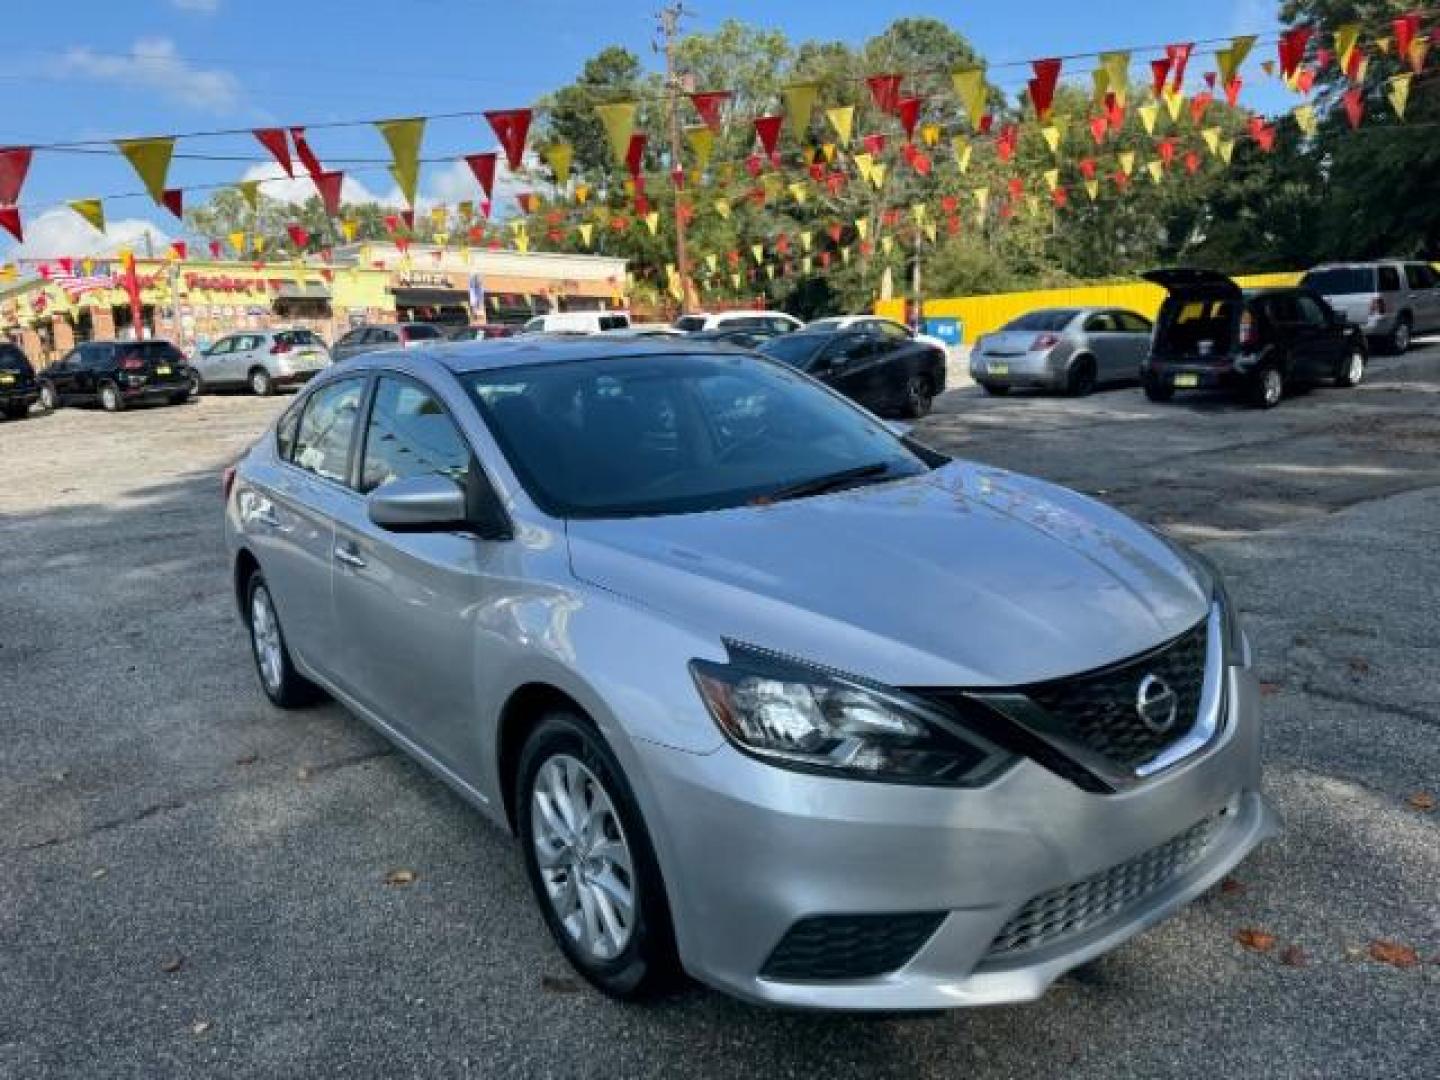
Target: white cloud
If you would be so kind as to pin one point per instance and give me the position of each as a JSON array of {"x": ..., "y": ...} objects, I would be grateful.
[
  {"x": 153, "y": 64},
  {"x": 60, "y": 231},
  {"x": 447, "y": 184},
  {"x": 209, "y": 7},
  {"x": 297, "y": 189}
]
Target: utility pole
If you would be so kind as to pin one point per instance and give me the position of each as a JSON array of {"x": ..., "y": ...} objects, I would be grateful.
[{"x": 669, "y": 20}]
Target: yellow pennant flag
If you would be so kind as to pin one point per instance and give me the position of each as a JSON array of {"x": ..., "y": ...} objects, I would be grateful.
[
  {"x": 863, "y": 164},
  {"x": 1174, "y": 102},
  {"x": 917, "y": 211},
  {"x": 982, "y": 198},
  {"x": 842, "y": 119},
  {"x": 702, "y": 145},
  {"x": 758, "y": 251},
  {"x": 797, "y": 192},
  {"x": 963, "y": 151},
  {"x": 1117, "y": 71},
  {"x": 1212, "y": 139},
  {"x": 845, "y": 255},
  {"x": 1228, "y": 60},
  {"x": 829, "y": 150},
  {"x": 712, "y": 261},
  {"x": 1052, "y": 179},
  {"x": 1052, "y": 138},
  {"x": 1127, "y": 161},
  {"x": 1092, "y": 188},
  {"x": 1149, "y": 114},
  {"x": 722, "y": 207},
  {"x": 930, "y": 134},
  {"x": 441, "y": 238},
  {"x": 587, "y": 232},
  {"x": 150, "y": 158},
  {"x": 618, "y": 120},
  {"x": 652, "y": 222},
  {"x": 522, "y": 243},
  {"x": 250, "y": 190},
  {"x": 92, "y": 210},
  {"x": 438, "y": 216},
  {"x": 773, "y": 185},
  {"x": 560, "y": 156},
  {"x": 1101, "y": 78},
  {"x": 1397, "y": 90},
  {"x": 1227, "y": 150},
  {"x": 970, "y": 88},
  {"x": 929, "y": 229},
  {"x": 807, "y": 239},
  {"x": 800, "y": 106},
  {"x": 237, "y": 241},
  {"x": 862, "y": 227},
  {"x": 403, "y": 137},
  {"x": 1032, "y": 203},
  {"x": 1419, "y": 48},
  {"x": 735, "y": 282},
  {"x": 257, "y": 242},
  {"x": 806, "y": 264},
  {"x": 877, "y": 175},
  {"x": 887, "y": 244},
  {"x": 1156, "y": 169},
  {"x": 582, "y": 193},
  {"x": 1346, "y": 38},
  {"x": 770, "y": 272},
  {"x": 1306, "y": 120}
]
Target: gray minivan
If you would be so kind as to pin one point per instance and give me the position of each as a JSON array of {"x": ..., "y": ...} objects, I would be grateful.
[{"x": 1391, "y": 300}]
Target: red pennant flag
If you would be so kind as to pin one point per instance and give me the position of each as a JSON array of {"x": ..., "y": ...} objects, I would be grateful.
[
  {"x": 1355, "y": 105},
  {"x": 392, "y": 223},
  {"x": 1323, "y": 58},
  {"x": 180, "y": 248},
  {"x": 754, "y": 164},
  {"x": 1405, "y": 28},
  {"x": 10, "y": 222},
  {"x": 922, "y": 164},
  {"x": 1357, "y": 61},
  {"x": 677, "y": 177},
  {"x": 329, "y": 184},
  {"x": 1087, "y": 168},
  {"x": 867, "y": 248},
  {"x": 1159, "y": 72},
  {"x": 14, "y": 164},
  {"x": 1232, "y": 91},
  {"x": 403, "y": 245},
  {"x": 1179, "y": 56},
  {"x": 1098, "y": 126},
  {"x": 835, "y": 182},
  {"x": 767, "y": 128},
  {"x": 1192, "y": 162},
  {"x": 708, "y": 104},
  {"x": 1166, "y": 147},
  {"x": 952, "y": 225},
  {"x": 836, "y": 231},
  {"x": 511, "y": 127},
  {"x": 1210, "y": 79},
  {"x": 1265, "y": 137},
  {"x": 1114, "y": 112},
  {"x": 949, "y": 203},
  {"x": 635, "y": 153},
  {"x": 817, "y": 172},
  {"x": 885, "y": 89},
  {"x": 173, "y": 199},
  {"x": 874, "y": 144},
  {"x": 273, "y": 139},
  {"x": 1121, "y": 180},
  {"x": 1016, "y": 188},
  {"x": 642, "y": 207},
  {"x": 891, "y": 218},
  {"x": 1306, "y": 80},
  {"x": 1006, "y": 143},
  {"x": 215, "y": 249},
  {"x": 908, "y": 110},
  {"x": 483, "y": 166},
  {"x": 67, "y": 264},
  {"x": 1060, "y": 197},
  {"x": 825, "y": 260},
  {"x": 1292, "y": 49},
  {"x": 1042, "y": 86},
  {"x": 299, "y": 236},
  {"x": 307, "y": 156},
  {"x": 1198, "y": 104},
  {"x": 1255, "y": 125}
]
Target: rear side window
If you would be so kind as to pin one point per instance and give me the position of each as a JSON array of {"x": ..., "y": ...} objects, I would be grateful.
[
  {"x": 1101, "y": 323},
  {"x": 1047, "y": 319},
  {"x": 421, "y": 333},
  {"x": 322, "y": 441},
  {"x": 1389, "y": 279},
  {"x": 1131, "y": 323},
  {"x": 12, "y": 359},
  {"x": 296, "y": 337},
  {"x": 410, "y": 434},
  {"x": 614, "y": 322},
  {"x": 154, "y": 351},
  {"x": 1340, "y": 280},
  {"x": 690, "y": 323},
  {"x": 1421, "y": 276}
]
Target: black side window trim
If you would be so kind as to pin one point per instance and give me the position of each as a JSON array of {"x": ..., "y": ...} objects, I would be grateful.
[{"x": 352, "y": 461}]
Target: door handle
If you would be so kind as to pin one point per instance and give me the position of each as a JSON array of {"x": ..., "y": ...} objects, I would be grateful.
[
  {"x": 266, "y": 516},
  {"x": 345, "y": 553}
]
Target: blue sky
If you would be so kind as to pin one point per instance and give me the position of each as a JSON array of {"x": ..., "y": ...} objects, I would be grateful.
[{"x": 212, "y": 64}]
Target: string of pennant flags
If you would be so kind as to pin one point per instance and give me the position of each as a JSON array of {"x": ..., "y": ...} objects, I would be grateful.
[{"x": 813, "y": 150}]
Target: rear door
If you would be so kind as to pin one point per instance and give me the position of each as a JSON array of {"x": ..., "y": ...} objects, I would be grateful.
[
  {"x": 1350, "y": 290},
  {"x": 1134, "y": 331},
  {"x": 1110, "y": 347},
  {"x": 1424, "y": 296},
  {"x": 214, "y": 364},
  {"x": 848, "y": 364},
  {"x": 63, "y": 374}
]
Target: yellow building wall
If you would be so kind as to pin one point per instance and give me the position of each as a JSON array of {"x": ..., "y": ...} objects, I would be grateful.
[{"x": 982, "y": 314}]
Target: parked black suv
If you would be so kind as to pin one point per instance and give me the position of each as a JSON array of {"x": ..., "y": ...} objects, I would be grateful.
[
  {"x": 18, "y": 388},
  {"x": 877, "y": 364},
  {"x": 117, "y": 374},
  {"x": 1212, "y": 334}
]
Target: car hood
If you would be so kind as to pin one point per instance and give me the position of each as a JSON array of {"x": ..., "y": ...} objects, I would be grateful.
[{"x": 965, "y": 576}]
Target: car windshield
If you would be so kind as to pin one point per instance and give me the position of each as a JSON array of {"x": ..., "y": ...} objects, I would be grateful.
[
  {"x": 794, "y": 349},
  {"x": 1340, "y": 280},
  {"x": 651, "y": 435},
  {"x": 1048, "y": 319}
]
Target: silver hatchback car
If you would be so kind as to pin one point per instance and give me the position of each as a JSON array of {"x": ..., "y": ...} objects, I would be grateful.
[{"x": 769, "y": 693}]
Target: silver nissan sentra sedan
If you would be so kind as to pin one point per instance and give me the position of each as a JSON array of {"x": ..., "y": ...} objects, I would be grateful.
[{"x": 769, "y": 693}]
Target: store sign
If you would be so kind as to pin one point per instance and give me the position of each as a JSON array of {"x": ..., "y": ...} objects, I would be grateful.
[{"x": 423, "y": 281}]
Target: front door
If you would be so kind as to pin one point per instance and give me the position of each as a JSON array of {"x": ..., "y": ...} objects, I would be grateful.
[
  {"x": 1324, "y": 334},
  {"x": 411, "y": 605}
]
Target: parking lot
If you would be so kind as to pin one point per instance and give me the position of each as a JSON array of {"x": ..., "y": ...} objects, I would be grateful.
[{"x": 194, "y": 883}]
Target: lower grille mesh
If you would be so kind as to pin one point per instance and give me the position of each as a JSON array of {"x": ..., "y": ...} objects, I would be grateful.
[
  {"x": 1072, "y": 909},
  {"x": 849, "y": 946}
]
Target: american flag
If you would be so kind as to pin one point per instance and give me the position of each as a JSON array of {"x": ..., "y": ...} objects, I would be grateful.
[{"x": 80, "y": 284}]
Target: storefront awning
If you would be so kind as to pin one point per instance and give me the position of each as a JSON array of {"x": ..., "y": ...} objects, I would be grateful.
[
  {"x": 430, "y": 297},
  {"x": 309, "y": 291}
]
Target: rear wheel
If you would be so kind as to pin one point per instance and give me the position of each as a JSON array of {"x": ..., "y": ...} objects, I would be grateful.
[
  {"x": 49, "y": 399},
  {"x": 261, "y": 385},
  {"x": 590, "y": 861},
  {"x": 918, "y": 397},
  {"x": 1080, "y": 382},
  {"x": 1269, "y": 388},
  {"x": 111, "y": 400},
  {"x": 283, "y": 685},
  {"x": 1157, "y": 389},
  {"x": 1399, "y": 341},
  {"x": 197, "y": 385},
  {"x": 17, "y": 410},
  {"x": 1352, "y": 369}
]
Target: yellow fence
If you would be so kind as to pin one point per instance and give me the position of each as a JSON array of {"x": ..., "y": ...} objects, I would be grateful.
[{"x": 982, "y": 314}]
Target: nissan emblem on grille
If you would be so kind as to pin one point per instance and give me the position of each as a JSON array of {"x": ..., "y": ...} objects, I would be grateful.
[{"x": 1156, "y": 704}]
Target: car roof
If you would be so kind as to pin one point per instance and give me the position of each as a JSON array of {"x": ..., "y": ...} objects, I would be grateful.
[{"x": 462, "y": 357}]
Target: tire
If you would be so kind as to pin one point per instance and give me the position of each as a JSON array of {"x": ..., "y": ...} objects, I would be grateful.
[
  {"x": 1398, "y": 343},
  {"x": 261, "y": 384},
  {"x": 918, "y": 397},
  {"x": 111, "y": 400},
  {"x": 180, "y": 397},
  {"x": 17, "y": 410},
  {"x": 49, "y": 399},
  {"x": 995, "y": 389},
  {"x": 1352, "y": 369},
  {"x": 630, "y": 958},
  {"x": 1157, "y": 389},
  {"x": 1269, "y": 388},
  {"x": 197, "y": 384},
  {"x": 1080, "y": 380},
  {"x": 283, "y": 685}
]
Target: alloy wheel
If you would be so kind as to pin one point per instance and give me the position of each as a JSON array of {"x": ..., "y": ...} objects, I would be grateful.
[
  {"x": 1357, "y": 369},
  {"x": 110, "y": 399},
  {"x": 917, "y": 395},
  {"x": 260, "y": 384},
  {"x": 49, "y": 400},
  {"x": 1402, "y": 337},
  {"x": 584, "y": 857},
  {"x": 265, "y": 634}
]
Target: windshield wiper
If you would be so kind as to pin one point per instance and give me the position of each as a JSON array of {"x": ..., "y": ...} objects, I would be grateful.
[{"x": 821, "y": 484}]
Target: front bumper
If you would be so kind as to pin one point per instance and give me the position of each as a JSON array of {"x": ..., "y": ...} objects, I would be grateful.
[{"x": 749, "y": 850}]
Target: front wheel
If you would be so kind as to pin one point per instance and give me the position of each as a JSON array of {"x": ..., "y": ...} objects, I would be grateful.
[
  {"x": 1269, "y": 388},
  {"x": 590, "y": 861},
  {"x": 261, "y": 385},
  {"x": 111, "y": 400},
  {"x": 17, "y": 410},
  {"x": 283, "y": 685},
  {"x": 918, "y": 397},
  {"x": 1352, "y": 370},
  {"x": 1399, "y": 342},
  {"x": 49, "y": 399}
]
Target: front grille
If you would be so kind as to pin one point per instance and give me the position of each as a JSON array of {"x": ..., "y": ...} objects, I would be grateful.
[
  {"x": 1098, "y": 710},
  {"x": 1075, "y": 908},
  {"x": 828, "y": 947}
]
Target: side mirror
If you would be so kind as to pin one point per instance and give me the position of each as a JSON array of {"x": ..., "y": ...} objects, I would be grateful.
[{"x": 418, "y": 504}]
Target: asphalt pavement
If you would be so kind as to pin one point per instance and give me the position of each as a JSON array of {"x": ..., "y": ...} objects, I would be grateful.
[{"x": 193, "y": 883}]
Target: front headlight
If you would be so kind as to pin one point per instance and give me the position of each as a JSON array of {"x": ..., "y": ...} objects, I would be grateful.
[
  {"x": 813, "y": 720},
  {"x": 1237, "y": 645}
]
